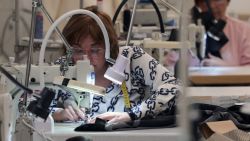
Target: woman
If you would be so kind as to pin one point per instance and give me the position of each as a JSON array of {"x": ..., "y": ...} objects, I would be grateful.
[
  {"x": 151, "y": 87},
  {"x": 236, "y": 52}
]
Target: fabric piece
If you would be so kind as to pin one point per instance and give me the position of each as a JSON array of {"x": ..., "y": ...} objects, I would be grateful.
[
  {"x": 209, "y": 113},
  {"x": 99, "y": 125}
]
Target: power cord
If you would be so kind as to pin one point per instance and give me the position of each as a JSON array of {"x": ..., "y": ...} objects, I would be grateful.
[{"x": 12, "y": 79}]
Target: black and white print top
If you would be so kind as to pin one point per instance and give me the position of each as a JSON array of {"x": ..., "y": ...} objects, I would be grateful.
[{"x": 151, "y": 87}]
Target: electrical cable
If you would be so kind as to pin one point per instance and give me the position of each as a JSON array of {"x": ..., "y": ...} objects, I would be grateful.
[
  {"x": 159, "y": 16},
  {"x": 155, "y": 7},
  {"x": 118, "y": 10},
  {"x": 12, "y": 79}
]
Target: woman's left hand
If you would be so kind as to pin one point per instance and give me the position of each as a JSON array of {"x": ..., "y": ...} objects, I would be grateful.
[{"x": 113, "y": 117}]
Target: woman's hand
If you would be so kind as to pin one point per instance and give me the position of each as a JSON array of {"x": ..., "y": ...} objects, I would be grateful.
[
  {"x": 113, "y": 117},
  {"x": 69, "y": 113},
  {"x": 213, "y": 61}
]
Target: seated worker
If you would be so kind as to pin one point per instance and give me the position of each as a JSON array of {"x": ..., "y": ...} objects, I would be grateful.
[
  {"x": 152, "y": 88},
  {"x": 171, "y": 58},
  {"x": 236, "y": 51}
]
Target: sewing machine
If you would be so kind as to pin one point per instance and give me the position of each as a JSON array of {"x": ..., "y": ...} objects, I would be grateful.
[{"x": 9, "y": 102}]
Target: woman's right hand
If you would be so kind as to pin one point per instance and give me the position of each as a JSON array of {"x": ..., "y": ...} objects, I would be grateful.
[
  {"x": 214, "y": 61},
  {"x": 69, "y": 113}
]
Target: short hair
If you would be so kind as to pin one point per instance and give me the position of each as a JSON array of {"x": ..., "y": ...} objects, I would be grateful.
[{"x": 83, "y": 25}]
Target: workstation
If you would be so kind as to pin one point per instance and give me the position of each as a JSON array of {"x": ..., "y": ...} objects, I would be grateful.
[{"x": 123, "y": 70}]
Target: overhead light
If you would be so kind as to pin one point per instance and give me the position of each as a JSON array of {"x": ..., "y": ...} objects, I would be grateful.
[{"x": 116, "y": 72}]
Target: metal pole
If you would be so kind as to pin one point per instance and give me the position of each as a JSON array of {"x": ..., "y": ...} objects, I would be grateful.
[
  {"x": 81, "y": 4},
  {"x": 31, "y": 42},
  {"x": 17, "y": 17},
  {"x": 184, "y": 119},
  {"x": 131, "y": 23}
]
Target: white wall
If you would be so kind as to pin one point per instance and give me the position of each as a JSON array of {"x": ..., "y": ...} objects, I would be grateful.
[
  {"x": 57, "y": 7},
  {"x": 239, "y": 6},
  {"x": 6, "y": 10}
]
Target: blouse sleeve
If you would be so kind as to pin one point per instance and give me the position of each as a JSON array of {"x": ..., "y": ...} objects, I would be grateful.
[
  {"x": 245, "y": 45},
  {"x": 147, "y": 72}
]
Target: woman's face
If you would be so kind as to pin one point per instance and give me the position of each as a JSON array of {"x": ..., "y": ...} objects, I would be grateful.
[
  {"x": 95, "y": 52},
  {"x": 171, "y": 58},
  {"x": 219, "y": 8}
]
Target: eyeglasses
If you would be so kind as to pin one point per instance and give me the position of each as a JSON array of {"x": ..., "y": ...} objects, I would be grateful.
[{"x": 92, "y": 51}]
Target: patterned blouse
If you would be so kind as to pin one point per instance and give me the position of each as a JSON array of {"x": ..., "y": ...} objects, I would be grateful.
[{"x": 151, "y": 87}]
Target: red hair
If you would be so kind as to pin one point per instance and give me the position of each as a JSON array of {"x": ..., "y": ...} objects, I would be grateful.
[{"x": 80, "y": 26}]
